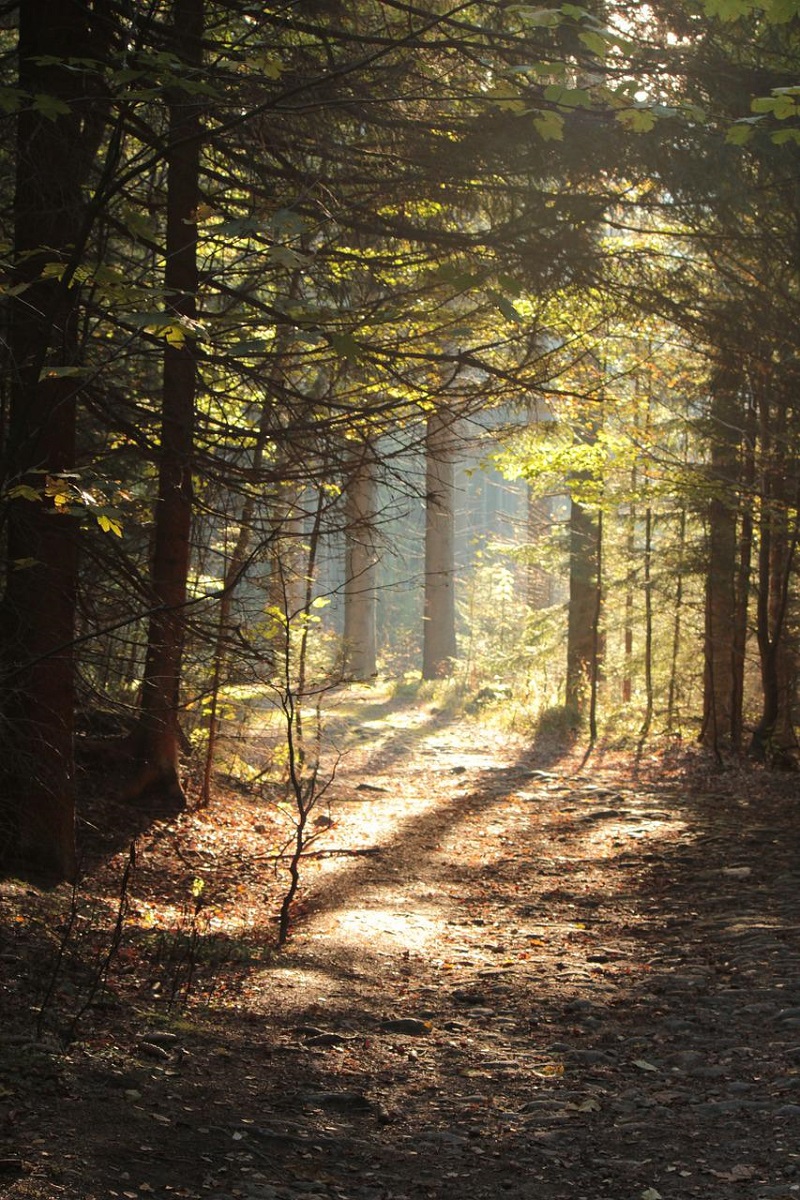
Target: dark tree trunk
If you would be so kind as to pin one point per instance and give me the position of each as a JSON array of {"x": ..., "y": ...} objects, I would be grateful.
[
  {"x": 720, "y": 602},
  {"x": 648, "y": 622},
  {"x": 774, "y": 740},
  {"x": 584, "y": 606},
  {"x": 677, "y": 623},
  {"x": 630, "y": 547},
  {"x": 159, "y": 735},
  {"x": 54, "y": 155},
  {"x": 439, "y": 629}
]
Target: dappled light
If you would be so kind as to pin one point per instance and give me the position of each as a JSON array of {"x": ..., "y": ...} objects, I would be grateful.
[{"x": 399, "y": 600}]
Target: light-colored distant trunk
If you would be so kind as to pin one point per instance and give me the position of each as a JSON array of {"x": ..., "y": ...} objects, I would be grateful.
[
  {"x": 287, "y": 578},
  {"x": 538, "y": 583},
  {"x": 439, "y": 629},
  {"x": 361, "y": 572}
]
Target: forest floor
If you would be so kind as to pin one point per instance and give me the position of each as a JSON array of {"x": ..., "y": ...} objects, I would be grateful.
[{"x": 509, "y": 975}]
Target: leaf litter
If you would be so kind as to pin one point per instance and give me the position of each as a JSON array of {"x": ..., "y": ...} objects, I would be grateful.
[{"x": 489, "y": 1043}]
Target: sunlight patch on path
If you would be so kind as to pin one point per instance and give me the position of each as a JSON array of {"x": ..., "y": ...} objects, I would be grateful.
[{"x": 393, "y": 923}]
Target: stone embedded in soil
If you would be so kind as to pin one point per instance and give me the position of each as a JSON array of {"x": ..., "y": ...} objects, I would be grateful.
[
  {"x": 409, "y": 1025},
  {"x": 159, "y": 1037}
]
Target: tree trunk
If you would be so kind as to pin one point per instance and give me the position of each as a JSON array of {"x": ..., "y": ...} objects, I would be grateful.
[
  {"x": 742, "y": 582},
  {"x": 584, "y": 602},
  {"x": 439, "y": 627},
  {"x": 361, "y": 569},
  {"x": 630, "y": 547},
  {"x": 538, "y": 582},
  {"x": 648, "y": 623},
  {"x": 158, "y": 735},
  {"x": 54, "y": 154},
  {"x": 774, "y": 740},
  {"x": 720, "y": 602},
  {"x": 287, "y": 580},
  {"x": 677, "y": 615}
]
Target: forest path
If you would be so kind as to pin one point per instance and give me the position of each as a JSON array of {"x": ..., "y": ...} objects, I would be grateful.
[{"x": 515, "y": 980}]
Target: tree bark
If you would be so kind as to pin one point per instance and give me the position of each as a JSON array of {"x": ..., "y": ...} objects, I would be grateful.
[
  {"x": 439, "y": 621},
  {"x": 742, "y": 582},
  {"x": 54, "y": 154},
  {"x": 584, "y": 602},
  {"x": 720, "y": 600},
  {"x": 158, "y": 736},
  {"x": 774, "y": 740},
  {"x": 361, "y": 570}
]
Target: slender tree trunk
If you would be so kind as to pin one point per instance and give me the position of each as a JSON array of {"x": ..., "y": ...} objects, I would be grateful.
[
  {"x": 361, "y": 569},
  {"x": 439, "y": 629},
  {"x": 720, "y": 603},
  {"x": 774, "y": 740},
  {"x": 742, "y": 582},
  {"x": 648, "y": 622},
  {"x": 630, "y": 539},
  {"x": 53, "y": 156},
  {"x": 159, "y": 737},
  {"x": 584, "y": 588},
  {"x": 597, "y": 633},
  {"x": 676, "y": 624}
]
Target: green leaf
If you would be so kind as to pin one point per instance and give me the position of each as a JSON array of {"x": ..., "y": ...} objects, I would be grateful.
[
  {"x": 284, "y": 256},
  {"x": 540, "y": 18},
  {"x": 781, "y": 11},
  {"x": 781, "y": 106},
  {"x": 11, "y": 99},
  {"x": 740, "y": 134},
  {"x": 639, "y": 120},
  {"x": 249, "y": 348},
  {"x": 549, "y": 126},
  {"x": 727, "y": 10},
  {"x": 23, "y": 491},
  {"x": 568, "y": 97},
  {"x": 345, "y": 346},
  {"x": 504, "y": 98},
  {"x": 51, "y": 107},
  {"x": 505, "y": 306},
  {"x": 783, "y": 136},
  {"x": 595, "y": 42}
]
